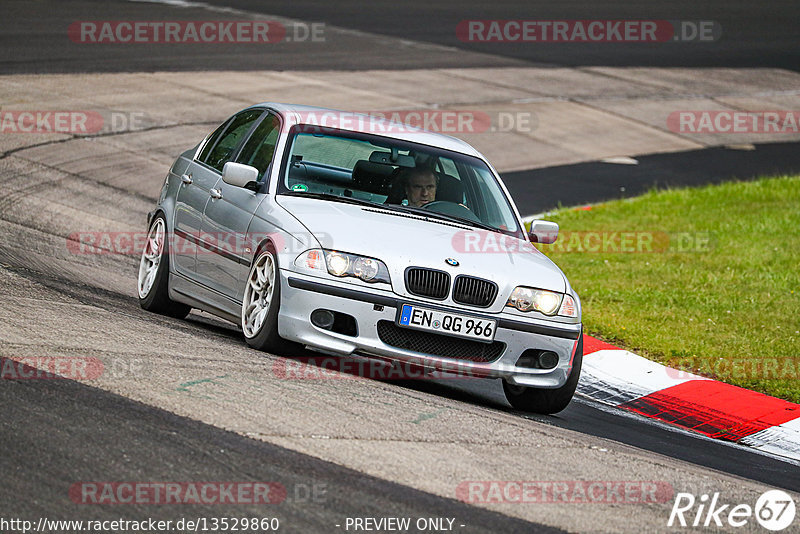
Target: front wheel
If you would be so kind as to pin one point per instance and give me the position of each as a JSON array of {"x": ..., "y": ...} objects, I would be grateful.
[
  {"x": 262, "y": 297},
  {"x": 153, "y": 279},
  {"x": 546, "y": 401}
]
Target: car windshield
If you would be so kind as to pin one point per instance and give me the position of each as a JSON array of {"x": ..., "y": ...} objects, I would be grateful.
[{"x": 359, "y": 168}]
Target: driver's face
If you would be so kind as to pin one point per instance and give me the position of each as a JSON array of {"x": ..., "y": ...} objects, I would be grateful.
[{"x": 421, "y": 189}]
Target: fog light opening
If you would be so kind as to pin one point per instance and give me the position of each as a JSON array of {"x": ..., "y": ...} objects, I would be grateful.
[
  {"x": 548, "y": 359},
  {"x": 538, "y": 359},
  {"x": 322, "y": 319},
  {"x": 334, "y": 321}
]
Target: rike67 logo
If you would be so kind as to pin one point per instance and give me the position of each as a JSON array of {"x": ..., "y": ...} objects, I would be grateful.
[{"x": 774, "y": 510}]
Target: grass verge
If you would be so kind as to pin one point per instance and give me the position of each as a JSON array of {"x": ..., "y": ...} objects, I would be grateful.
[{"x": 703, "y": 279}]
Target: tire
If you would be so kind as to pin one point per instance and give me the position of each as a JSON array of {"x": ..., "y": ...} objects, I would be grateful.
[
  {"x": 153, "y": 280},
  {"x": 261, "y": 303},
  {"x": 546, "y": 401}
]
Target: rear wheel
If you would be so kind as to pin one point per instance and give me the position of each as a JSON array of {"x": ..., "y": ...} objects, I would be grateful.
[
  {"x": 153, "y": 280},
  {"x": 546, "y": 401}
]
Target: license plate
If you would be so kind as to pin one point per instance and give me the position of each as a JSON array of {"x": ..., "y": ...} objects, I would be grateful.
[{"x": 452, "y": 324}]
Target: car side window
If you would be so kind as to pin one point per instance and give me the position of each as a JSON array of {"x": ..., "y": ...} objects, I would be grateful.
[
  {"x": 212, "y": 140},
  {"x": 260, "y": 148},
  {"x": 225, "y": 147},
  {"x": 447, "y": 166}
]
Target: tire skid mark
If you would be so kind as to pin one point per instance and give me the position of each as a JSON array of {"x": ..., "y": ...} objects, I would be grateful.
[{"x": 73, "y": 137}]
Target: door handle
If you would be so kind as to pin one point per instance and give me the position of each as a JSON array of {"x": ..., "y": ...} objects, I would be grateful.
[
  {"x": 186, "y": 178},
  {"x": 215, "y": 193}
]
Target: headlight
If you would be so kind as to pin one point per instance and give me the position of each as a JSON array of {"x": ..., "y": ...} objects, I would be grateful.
[
  {"x": 342, "y": 265},
  {"x": 366, "y": 268},
  {"x": 530, "y": 299},
  {"x": 338, "y": 263}
]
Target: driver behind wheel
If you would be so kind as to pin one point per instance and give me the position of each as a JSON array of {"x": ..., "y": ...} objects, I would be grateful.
[{"x": 420, "y": 185}]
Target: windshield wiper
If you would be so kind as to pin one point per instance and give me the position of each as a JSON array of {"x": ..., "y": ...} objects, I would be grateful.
[
  {"x": 396, "y": 207},
  {"x": 447, "y": 217},
  {"x": 329, "y": 196}
]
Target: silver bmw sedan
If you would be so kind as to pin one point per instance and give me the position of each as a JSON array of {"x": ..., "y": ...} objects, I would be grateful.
[{"x": 350, "y": 234}]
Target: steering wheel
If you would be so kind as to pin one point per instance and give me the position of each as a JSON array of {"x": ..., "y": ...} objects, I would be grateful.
[{"x": 451, "y": 208}]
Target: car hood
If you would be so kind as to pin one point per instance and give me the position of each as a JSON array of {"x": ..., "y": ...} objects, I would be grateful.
[{"x": 401, "y": 240}]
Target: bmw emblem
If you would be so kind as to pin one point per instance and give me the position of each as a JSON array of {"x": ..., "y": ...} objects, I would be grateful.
[{"x": 452, "y": 262}]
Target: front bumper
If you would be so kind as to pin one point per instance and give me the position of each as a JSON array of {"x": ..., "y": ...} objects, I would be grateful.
[{"x": 301, "y": 294}]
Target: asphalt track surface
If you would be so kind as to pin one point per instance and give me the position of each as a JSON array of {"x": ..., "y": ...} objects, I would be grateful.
[
  {"x": 753, "y": 35},
  {"x": 53, "y": 433},
  {"x": 118, "y": 439},
  {"x": 539, "y": 190}
]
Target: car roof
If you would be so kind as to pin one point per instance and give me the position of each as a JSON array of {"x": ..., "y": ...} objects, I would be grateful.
[{"x": 363, "y": 123}]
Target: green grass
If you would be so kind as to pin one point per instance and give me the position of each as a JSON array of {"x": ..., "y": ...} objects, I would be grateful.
[{"x": 718, "y": 294}]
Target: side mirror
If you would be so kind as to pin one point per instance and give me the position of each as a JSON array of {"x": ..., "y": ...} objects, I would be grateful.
[
  {"x": 545, "y": 232},
  {"x": 240, "y": 175}
]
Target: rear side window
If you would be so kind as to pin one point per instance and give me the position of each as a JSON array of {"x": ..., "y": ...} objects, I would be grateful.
[
  {"x": 260, "y": 148},
  {"x": 224, "y": 148}
]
